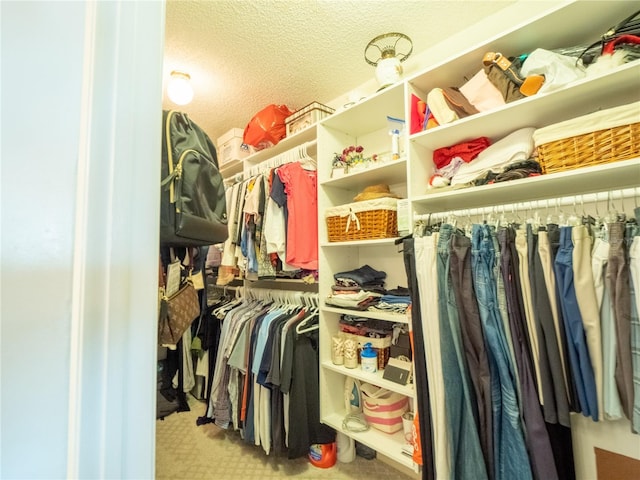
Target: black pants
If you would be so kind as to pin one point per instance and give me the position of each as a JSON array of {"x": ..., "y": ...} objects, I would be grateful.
[{"x": 420, "y": 376}]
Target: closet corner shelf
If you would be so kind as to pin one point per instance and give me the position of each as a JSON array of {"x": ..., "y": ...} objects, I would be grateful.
[
  {"x": 389, "y": 445},
  {"x": 370, "y": 114},
  {"x": 361, "y": 243},
  {"x": 287, "y": 143},
  {"x": 541, "y": 109},
  {"x": 388, "y": 317},
  {"x": 372, "y": 378},
  {"x": 292, "y": 283},
  {"x": 598, "y": 178},
  {"x": 391, "y": 172},
  {"x": 230, "y": 168}
]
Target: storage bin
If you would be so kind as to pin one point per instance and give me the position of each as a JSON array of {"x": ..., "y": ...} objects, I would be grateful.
[
  {"x": 381, "y": 346},
  {"x": 365, "y": 220},
  {"x": 601, "y": 137},
  {"x": 305, "y": 117},
  {"x": 230, "y": 148}
]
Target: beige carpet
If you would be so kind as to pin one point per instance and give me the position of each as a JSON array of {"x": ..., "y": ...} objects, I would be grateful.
[{"x": 186, "y": 451}]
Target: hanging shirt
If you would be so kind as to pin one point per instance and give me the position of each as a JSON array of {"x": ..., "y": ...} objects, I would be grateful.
[
  {"x": 302, "y": 224},
  {"x": 228, "y": 255}
]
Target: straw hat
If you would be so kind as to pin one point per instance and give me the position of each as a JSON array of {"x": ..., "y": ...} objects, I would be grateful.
[{"x": 375, "y": 191}]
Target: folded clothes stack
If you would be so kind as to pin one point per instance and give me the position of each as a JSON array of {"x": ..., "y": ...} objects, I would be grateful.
[
  {"x": 357, "y": 289},
  {"x": 365, "y": 327},
  {"x": 394, "y": 301}
]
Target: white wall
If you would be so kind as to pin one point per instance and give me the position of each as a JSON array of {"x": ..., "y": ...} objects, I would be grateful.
[{"x": 81, "y": 96}]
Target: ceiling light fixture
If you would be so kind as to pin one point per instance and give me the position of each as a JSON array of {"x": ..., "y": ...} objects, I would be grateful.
[
  {"x": 179, "y": 89},
  {"x": 385, "y": 52}
]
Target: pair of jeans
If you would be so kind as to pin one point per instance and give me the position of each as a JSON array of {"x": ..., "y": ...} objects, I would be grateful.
[
  {"x": 553, "y": 232},
  {"x": 634, "y": 269},
  {"x": 587, "y": 303},
  {"x": 547, "y": 257},
  {"x": 522, "y": 248},
  {"x": 427, "y": 283},
  {"x": 559, "y": 431},
  {"x": 556, "y": 406},
  {"x": 536, "y": 436},
  {"x": 510, "y": 453},
  {"x": 618, "y": 282},
  {"x": 599, "y": 260},
  {"x": 576, "y": 338},
  {"x": 473, "y": 340},
  {"x": 467, "y": 460},
  {"x": 502, "y": 307},
  {"x": 421, "y": 379}
]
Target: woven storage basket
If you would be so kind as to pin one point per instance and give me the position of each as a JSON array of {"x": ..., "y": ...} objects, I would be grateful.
[
  {"x": 598, "y": 138},
  {"x": 366, "y": 220}
]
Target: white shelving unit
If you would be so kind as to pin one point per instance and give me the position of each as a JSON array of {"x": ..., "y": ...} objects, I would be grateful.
[{"x": 365, "y": 124}]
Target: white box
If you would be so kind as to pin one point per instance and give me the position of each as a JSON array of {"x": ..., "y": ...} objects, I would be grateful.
[
  {"x": 230, "y": 148},
  {"x": 305, "y": 117}
]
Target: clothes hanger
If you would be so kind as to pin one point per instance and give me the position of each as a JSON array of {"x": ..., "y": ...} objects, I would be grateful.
[
  {"x": 516, "y": 220},
  {"x": 574, "y": 219},
  {"x": 306, "y": 160},
  {"x": 305, "y": 326},
  {"x": 468, "y": 226}
]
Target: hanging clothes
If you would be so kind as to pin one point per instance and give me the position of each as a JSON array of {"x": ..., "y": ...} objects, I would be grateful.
[
  {"x": 467, "y": 459},
  {"x": 260, "y": 360},
  {"x": 423, "y": 449},
  {"x": 301, "y": 188}
]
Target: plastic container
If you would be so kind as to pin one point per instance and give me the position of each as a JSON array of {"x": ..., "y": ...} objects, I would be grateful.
[
  {"x": 323, "y": 455},
  {"x": 369, "y": 359},
  {"x": 346, "y": 448},
  {"x": 229, "y": 147}
]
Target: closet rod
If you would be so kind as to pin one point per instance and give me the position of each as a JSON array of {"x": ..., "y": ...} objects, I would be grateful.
[
  {"x": 292, "y": 155},
  {"x": 238, "y": 177},
  {"x": 282, "y": 295},
  {"x": 573, "y": 200}
]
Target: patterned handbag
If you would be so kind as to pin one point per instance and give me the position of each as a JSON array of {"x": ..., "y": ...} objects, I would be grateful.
[{"x": 177, "y": 313}]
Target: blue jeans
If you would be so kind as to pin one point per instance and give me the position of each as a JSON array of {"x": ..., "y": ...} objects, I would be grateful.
[
  {"x": 467, "y": 460},
  {"x": 576, "y": 338},
  {"x": 511, "y": 458}
]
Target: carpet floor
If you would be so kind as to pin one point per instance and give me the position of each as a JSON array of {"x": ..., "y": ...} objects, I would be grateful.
[{"x": 187, "y": 451}]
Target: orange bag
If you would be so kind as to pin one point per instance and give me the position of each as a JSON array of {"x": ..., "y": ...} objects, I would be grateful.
[{"x": 267, "y": 127}]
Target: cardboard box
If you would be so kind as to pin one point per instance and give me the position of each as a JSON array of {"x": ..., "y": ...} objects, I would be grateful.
[
  {"x": 305, "y": 117},
  {"x": 230, "y": 148}
]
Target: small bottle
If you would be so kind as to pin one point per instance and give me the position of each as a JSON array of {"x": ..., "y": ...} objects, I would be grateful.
[{"x": 369, "y": 359}]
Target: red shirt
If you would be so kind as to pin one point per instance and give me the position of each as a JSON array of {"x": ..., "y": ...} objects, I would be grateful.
[{"x": 301, "y": 187}]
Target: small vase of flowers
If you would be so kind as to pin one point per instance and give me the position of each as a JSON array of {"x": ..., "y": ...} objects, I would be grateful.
[{"x": 350, "y": 158}]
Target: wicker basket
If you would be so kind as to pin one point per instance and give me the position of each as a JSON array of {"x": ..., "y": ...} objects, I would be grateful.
[
  {"x": 366, "y": 220},
  {"x": 620, "y": 141}
]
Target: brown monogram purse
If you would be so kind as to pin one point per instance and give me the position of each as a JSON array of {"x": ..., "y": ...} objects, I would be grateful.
[{"x": 177, "y": 312}]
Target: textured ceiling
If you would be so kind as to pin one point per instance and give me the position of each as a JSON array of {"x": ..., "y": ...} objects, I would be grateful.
[{"x": 245, "y": 54}]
